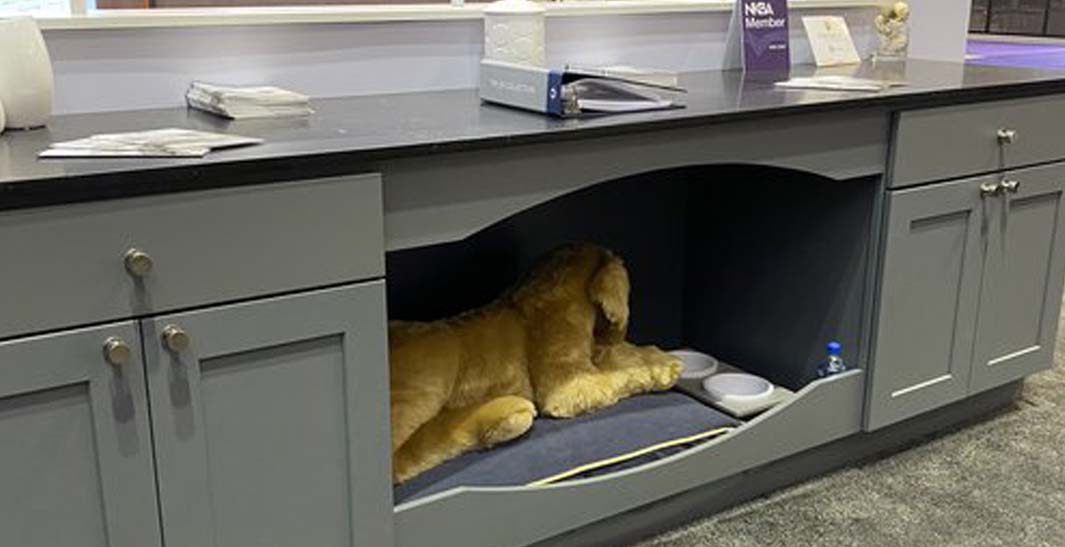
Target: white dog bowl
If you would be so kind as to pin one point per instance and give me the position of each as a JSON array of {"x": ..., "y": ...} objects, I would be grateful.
[
  {"x": 696, "y": 363},
  {"x": 737, "y": 387}
]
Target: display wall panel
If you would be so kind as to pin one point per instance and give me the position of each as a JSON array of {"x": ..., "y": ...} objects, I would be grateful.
[
  {"x": 978, "y": 15},
  {"x": 1017, "y": 17},
  {"x": 1056, "y": 18}
]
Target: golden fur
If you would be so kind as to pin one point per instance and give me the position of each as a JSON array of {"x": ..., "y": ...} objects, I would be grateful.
[{"x": 554, "y": 344}]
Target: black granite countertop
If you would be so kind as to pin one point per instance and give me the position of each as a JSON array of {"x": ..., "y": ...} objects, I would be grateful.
[{"x": 352, "y": 134}]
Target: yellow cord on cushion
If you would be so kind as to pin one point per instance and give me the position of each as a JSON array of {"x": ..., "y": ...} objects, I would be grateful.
[{"x": 631, "y": 455}]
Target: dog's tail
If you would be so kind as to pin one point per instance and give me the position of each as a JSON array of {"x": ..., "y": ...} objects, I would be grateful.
[{"x": 609, "y": 290}]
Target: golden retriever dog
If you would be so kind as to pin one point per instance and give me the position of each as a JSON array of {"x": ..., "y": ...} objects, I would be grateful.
[{"x": 553, "y": 344}]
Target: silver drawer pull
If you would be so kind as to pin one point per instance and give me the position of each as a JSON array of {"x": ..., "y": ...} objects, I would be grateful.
[
  {"x": 138, "y": 263},
  {"x": 990, "y": 189},
  {"x": 175, "y": 339},
  {"x": 1010, "y": 185},
  {"x": 116, "y": 351},
  {"x": 1007, "y": 136}
]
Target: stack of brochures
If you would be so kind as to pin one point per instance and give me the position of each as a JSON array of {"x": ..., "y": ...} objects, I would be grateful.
[
  {"x": 839, "y": 83},
  {"x": 170, "y": 143},
  {"x": 239, "y": 103},
  {"x": 578, "y": 91}
]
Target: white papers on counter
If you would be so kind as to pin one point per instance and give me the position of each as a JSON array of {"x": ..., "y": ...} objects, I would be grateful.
[
  {"x": 595, "y": 95},
  {"x": 165, "y": 143},
  {"x": 839, "y": 83},
  {"x": 663, "y": 78},
  {"x": 240, "y": 103}
]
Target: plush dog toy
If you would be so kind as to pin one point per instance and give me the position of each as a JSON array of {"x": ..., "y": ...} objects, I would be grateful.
[{"x": 555, "y": 343}]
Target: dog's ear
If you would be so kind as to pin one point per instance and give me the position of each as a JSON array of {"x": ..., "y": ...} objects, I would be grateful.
[{"x": 609, "y": 290}]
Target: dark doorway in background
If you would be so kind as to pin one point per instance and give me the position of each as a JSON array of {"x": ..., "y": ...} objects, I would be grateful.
[{"x": 1020, "y": 17}]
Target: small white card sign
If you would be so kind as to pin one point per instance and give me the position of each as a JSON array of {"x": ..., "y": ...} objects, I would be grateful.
[{"x": 830, "y": 40}]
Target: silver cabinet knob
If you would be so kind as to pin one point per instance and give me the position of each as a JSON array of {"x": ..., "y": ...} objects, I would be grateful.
[
  {"x": 138, "y": 263},
  {"x": 175, "y": 339},
  {"x": 117, "y": 351},
  {"x": 990, "y": 189},
  {"x": 1007, "y": 136},
  {"x": 1010, "y": 185}
]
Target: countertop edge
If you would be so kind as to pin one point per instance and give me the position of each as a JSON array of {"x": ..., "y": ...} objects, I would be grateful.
[{"x": 39, "y": 192}]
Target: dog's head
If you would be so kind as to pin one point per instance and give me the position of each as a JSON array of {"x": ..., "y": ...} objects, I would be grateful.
[{"x": 581, "y": 270}]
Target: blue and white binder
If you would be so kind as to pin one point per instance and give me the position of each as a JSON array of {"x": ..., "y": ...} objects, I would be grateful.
[{"x": 571, "y": 92}]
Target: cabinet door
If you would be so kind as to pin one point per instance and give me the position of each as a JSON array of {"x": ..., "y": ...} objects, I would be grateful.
[
  {"x": 927, "y": 307},
  {"x": 271, "y": 424},
  {"x": 76, "y": 459},
  {"x": 1025, "y": 267}
]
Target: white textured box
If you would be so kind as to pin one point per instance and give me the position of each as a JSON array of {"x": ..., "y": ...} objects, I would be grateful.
[{"x": 514, "y": 32}]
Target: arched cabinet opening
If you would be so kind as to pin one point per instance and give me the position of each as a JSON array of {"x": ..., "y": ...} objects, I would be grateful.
[{"x": 757, "y": 266}]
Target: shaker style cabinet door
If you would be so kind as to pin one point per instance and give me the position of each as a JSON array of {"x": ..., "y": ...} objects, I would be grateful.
[
  {"x": 1025, "y": 264},
  {"x": 928, "y": 295},
  {"x": 75, "y": 448},
  {"x": 271, "y": 421}
]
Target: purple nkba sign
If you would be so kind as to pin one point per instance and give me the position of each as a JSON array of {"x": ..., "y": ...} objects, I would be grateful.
[{"x": 765, "y": 35}]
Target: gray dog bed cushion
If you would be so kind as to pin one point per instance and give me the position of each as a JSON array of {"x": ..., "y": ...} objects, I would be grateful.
[{"x": 633, "y": 432}]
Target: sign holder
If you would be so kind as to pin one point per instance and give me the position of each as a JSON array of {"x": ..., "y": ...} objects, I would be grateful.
[{"x": 758, "y": 37}]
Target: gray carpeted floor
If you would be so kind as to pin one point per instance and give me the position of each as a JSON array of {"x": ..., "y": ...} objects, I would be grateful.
[{"x": 998, "y": 482}]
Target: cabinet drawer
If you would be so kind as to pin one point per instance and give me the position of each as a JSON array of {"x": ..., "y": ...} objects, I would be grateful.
[
  {"x": 951, "y": 142},
  {"x": 68, "y": 265}
]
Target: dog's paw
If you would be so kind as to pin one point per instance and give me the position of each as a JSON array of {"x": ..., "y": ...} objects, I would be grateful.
[
  {"x": 405, "y": 468},
  {"x": 666, "y": 374},
  {"x": 505, "y": 419},
  {"x": 578, "y": 395}
]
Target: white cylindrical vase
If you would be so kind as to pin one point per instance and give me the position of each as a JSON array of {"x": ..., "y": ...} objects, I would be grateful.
[
  {"x": 26, "y": 81},
  {"x": 514, "y": 32},
  {"x": 3, "y": 118}
]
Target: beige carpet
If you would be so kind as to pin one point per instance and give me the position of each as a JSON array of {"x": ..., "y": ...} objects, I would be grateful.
[{"x": 999, "y": 482}]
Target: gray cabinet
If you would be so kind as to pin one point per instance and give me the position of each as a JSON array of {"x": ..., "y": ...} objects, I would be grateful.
[
  {"x": 271, "y": 421},
  {"x": 1024, "y": 264},
  {"x": 76, "y": 459},
  {"x": 928, "y": 299},
  {"x": 253, "y": 424},
  {"x": 970, "y": 290}
]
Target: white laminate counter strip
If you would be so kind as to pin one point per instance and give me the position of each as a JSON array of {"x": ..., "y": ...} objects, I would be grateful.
[{"x": 442, "y": 11}]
